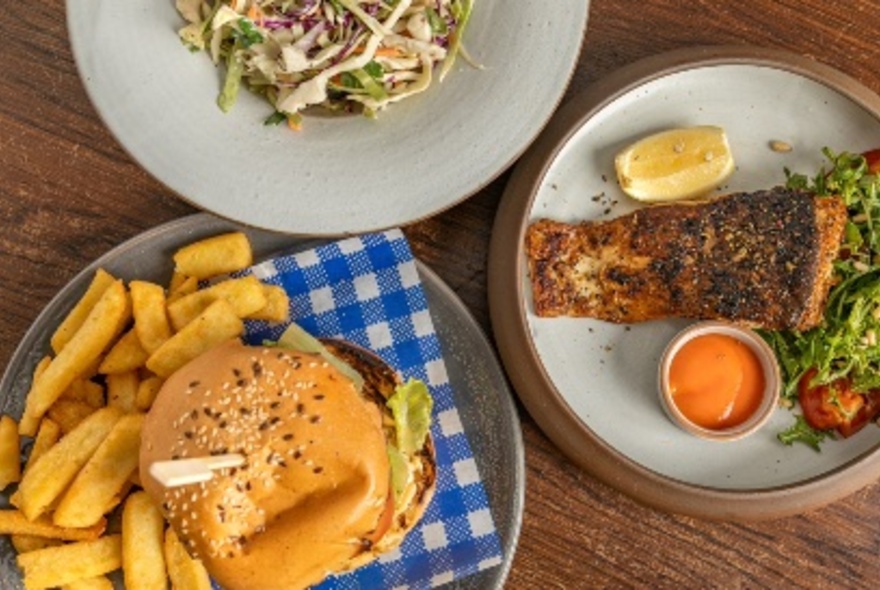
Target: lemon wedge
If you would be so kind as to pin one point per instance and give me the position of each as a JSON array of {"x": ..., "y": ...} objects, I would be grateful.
[{"x": 675, "y": 164}]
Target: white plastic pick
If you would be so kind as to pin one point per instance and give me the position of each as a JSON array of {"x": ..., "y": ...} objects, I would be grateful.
[{"x": 181, "y": 472}]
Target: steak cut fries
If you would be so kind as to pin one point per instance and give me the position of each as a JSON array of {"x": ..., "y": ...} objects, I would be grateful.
[{"x": 762, "y": 259}]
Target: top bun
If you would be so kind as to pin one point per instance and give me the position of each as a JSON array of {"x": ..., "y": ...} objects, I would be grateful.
[{"x": 313, "y": 497}]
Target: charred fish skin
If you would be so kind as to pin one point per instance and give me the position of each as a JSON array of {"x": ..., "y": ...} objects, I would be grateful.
[{"x": 762, "y": 259}]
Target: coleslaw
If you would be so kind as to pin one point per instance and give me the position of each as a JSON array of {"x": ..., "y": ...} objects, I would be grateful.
[{"x": 343, "y": 55}]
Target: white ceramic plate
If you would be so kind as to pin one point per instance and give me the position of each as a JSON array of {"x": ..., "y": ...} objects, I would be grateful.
[
  {"x": 341, "y": 174},
  {"x": 602, "y": 377}
]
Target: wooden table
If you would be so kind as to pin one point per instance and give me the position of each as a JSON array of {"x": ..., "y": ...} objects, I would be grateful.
[{"x": 68, "y": 193}]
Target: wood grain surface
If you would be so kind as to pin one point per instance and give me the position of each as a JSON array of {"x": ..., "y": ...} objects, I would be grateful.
[{"x": 69, "y": 193}]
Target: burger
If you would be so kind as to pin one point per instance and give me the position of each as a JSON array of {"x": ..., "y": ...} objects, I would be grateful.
[{"x": 338, "y": 461}]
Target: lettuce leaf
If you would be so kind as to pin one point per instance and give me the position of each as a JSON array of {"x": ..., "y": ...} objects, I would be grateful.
[
  {"x": 399, "y": 471},
  {"x": 298, "y": 339},
  {"x": 411, "y": 406}
]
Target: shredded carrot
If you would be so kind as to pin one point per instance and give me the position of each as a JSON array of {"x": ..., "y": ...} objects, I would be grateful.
[
  {"x": 388, "y": 52},
  {"x": 255, "y": 14},
  {"x": 293, "y": 124},
  {"x": 381, "y": 52},
  {"x": 233, "y": 4}
]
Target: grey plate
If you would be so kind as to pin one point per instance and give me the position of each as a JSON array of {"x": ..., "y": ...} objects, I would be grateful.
[{"x": 481, "y": 393}]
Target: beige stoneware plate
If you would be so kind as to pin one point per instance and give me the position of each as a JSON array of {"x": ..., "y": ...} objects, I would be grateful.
[
  {"x": 338, "y": 175},
  {"x": 591, "y": 385}
]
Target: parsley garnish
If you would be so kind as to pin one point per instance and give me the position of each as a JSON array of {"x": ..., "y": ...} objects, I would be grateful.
[
  {"x": 276, "y": 118},
  {"x": 247, "y": 33}
]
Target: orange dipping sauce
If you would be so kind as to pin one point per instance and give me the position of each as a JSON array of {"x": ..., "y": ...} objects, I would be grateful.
[{"x": 716, "y": 381}]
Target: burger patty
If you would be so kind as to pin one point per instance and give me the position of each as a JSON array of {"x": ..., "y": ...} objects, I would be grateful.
[{"x": 763, "y": 259}]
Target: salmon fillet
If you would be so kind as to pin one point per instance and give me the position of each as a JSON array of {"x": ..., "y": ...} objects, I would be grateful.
[{"x": 762, "y": 259}]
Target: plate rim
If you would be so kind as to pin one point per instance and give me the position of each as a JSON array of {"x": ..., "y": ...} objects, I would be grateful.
[
  {"x": 517, "y": 350},
  {"x": 81, "y": 56},
  {"x": 184, "y": 226}
]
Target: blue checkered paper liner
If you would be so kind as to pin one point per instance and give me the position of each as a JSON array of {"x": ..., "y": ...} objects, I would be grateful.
[{"x": 367, "y": 290}]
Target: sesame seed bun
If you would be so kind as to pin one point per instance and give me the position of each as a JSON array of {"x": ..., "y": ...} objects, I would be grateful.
[{"x": 314, "y": 495}]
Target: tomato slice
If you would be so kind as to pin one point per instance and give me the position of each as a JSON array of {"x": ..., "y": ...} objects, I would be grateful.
[
  {"x": 836, "y": 405},
  {"x": 385, "y": 520}
]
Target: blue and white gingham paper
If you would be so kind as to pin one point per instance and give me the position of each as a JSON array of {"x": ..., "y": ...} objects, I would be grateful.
[{"x": 367, "y": 290}]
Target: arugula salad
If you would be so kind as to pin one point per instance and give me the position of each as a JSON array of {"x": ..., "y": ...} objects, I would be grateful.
[
  {"x": 343, "y": 55},
  {"x": 832, "y": 372}
]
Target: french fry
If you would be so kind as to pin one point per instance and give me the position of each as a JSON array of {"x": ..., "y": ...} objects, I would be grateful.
[
  {"x": 86, "y": 391},
  {"x": 96, "y": 583},
  {"x": 143, "y": 559},
  {"x": 185, "y": 572},
  {"x": 215, "y": 325},
  {"x": 68, "y": 413},
  {"x": 98, "y": 486},
  {"x": 122, "y": 390},
  {"x": 25, "y": 543},
  {"x": 217, "y": 255},
  {"x": 177, "y": 280},
  {"x": 97, "y": 331},
  {"x": 13, "y": 522},
  {"x": 135, "y": 479},
  {"x": 126, "y": 355},
  {"x": 91, "y": 369},
  {"x": 277, "y": 308},
  {"x": 150, "y": 319},
  {"x": 181, "y": 285},
  {"x": 77, "y": 316},
  {"x": 147, "y": 391},
  {"x": 47, "y": 436},
  {"x": 57, "y": 566},
  {"x": 245, "y": 295},
  {"x": 29, "y": 422},
  {"x": 50, "y": 475},
  {"x": 10, "y": 452}
]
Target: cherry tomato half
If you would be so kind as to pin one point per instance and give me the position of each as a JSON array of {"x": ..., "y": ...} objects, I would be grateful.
[
  {"x": 834, "y": 405},
  {"x": 872, "y": 157},
  {"x": 867, "y": 413}
]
